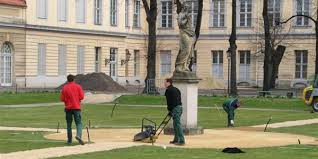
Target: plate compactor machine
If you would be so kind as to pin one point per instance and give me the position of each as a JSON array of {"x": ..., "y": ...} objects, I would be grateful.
[{"x": 150, "y": 132}]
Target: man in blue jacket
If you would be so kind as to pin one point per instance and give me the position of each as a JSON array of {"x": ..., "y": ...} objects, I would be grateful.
[{"x": 229, "y": 106}]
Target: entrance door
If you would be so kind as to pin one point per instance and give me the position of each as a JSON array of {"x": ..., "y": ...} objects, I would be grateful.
[
  {"x": 113, "y": 63},
  {"x": 6, "y": 65}
]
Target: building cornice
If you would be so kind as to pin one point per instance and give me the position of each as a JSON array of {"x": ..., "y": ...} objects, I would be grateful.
[{"x": 240, "y": 36}]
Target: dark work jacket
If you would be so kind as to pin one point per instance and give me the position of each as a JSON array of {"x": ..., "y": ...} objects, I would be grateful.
[{"x": 173, "y": 97}]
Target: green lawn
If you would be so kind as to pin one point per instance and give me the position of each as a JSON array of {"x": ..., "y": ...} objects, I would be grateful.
[
  {"x": 48, "y": 117},
  {"x": 148, "y": 152},
  {"x": 11, "y": 141},
  {"x": 28, "y": 98},
  {"x": 206, "y": 101},
  {"x": 131, "y": 116}
]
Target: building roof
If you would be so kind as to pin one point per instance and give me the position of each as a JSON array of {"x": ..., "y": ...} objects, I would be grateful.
[{"x": 19, "y": 3}]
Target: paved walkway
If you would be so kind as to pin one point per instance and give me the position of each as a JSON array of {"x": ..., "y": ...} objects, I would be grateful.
[
  {"x": 289, "y": 123},
  {"x": 66, "y": 150},
  {"x": 149, "y": 106},
  {"x": 31, "y": 105},
  {"x": 103, "y": 146},
  {"x": 29, "y": 129},
  {"x": 204, "y": 107}
]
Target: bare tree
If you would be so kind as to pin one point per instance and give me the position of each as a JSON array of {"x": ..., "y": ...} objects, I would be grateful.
[
  {"x": 272, "y": 56},
  {"x": 151, "y": 17},
  {"x": 232, "y": 49},
  {"x": 278, "y": 41}
]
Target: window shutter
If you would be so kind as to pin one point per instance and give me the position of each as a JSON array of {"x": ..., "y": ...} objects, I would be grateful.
[
  {"x": 62, "y": 60},
  {"x": 62, "y": 10},
  {"x": 63, "y": 4},
  {"x": 80, "y": 59},
  {"x": 59, "y": 9},
  {"x": 80, "y": 11},
  {"x": 41, "y": 59},
  {"x": 41, "y": 8}
]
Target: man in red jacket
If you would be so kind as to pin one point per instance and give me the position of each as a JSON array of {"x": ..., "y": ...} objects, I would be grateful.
[{"x": 71, "y": 95}]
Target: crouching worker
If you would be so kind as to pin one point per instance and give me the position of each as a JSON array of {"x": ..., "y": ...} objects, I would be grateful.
[
  {"x": 71, "y": 95},
  {"x": 229, "y": 106},
  {"x": 174, "y": 106}
]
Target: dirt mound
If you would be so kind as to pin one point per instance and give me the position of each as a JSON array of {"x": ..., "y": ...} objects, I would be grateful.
[{"x": 98, "y": 82}]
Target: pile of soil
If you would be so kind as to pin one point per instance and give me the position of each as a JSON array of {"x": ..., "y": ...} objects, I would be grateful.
[{"x": 98, "y": 82}]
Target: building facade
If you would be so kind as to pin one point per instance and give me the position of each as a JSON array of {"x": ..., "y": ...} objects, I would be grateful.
[{"x": 44, "y": 40}]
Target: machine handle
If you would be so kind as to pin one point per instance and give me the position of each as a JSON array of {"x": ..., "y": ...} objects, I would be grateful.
[{"x": 142, "y": 123}]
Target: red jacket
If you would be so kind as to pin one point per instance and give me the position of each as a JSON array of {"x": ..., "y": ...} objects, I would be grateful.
[{"x": 71, "y": 95}]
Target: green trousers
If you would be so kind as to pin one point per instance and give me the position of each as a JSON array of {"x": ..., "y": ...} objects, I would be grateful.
[
  {"x": 78, "y": 122},
  {"x": 178, "y": 132},
  {"x": 230, "y": 113}
]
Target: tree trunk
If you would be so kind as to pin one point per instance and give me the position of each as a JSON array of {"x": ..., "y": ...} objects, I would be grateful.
[
  {"x": 198, "y": 22},
  {"x": 151, "y": 13},
  {"x": 316, "y": 29},
  {"x": 277, "y": 58},
  {"x": 197, "y": 29},
  {"x": 232, "y": 41},
  {"x": 316, "y": 60},
  {"x": 268, "y": 65}
]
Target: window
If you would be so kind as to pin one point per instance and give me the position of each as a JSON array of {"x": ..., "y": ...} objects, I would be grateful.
[
  {"x": 193, "y": 12},
  {"x": 245, "y": 13},
  {"x": 80, "y": 11},
  {"x": 194, "y": 62},
  {"x": 165, "y": 62},
  {"x": 62, "y": 60},
  {"x": 97, "y": 59},
  {"x": 217, "y": 64},
  {"x": 302, "y": 7},
  {"x": 274, "y": 11},
  {"x": 136, "y": 63},
  {"x": 6, "y": 65},
  {"x": 80, "y": 59},
  {"x": 127, "y": 55},
  {"x": 166, "y": 14},
  {"x": 113, "y": 62},
  {"x": 136, "y": 20},
  {"x": 41, "y": 7},
  {"x": 98, "y": 5},
  {"x": 217, "y": 13},
  {"x": 301, "y": 64},
  {"x": 62, "y": 10},
  {"x": 113, "y": 12},
  {"x": 245, "y": 62},
  {"x": 41, "y": 59},
  {"x": 126, "y": 13}
]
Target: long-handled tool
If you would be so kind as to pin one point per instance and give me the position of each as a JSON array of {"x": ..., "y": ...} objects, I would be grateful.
[
  {"x": 220, "y": 114},
  {"x": 269, "y": 120},
  {"x": 111, "y": 115}
]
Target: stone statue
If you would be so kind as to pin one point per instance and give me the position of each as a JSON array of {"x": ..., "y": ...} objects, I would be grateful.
[{"x": 186, "y": 41}]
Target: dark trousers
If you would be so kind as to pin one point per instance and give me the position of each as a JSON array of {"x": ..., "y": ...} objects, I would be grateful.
[
  {"x": 230, "y": 113},
  {"x": 178, "y": 132},
  {"x": 78, "y": 122}
]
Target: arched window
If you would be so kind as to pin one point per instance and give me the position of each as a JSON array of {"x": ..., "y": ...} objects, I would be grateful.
[{"x": 6, "y": 65}]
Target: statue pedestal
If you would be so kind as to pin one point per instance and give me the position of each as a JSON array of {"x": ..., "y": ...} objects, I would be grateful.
[{"x": 188, "y": 85}]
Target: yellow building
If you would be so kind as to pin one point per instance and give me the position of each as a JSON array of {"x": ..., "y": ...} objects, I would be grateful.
[{"x": 44, "y": 40}]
